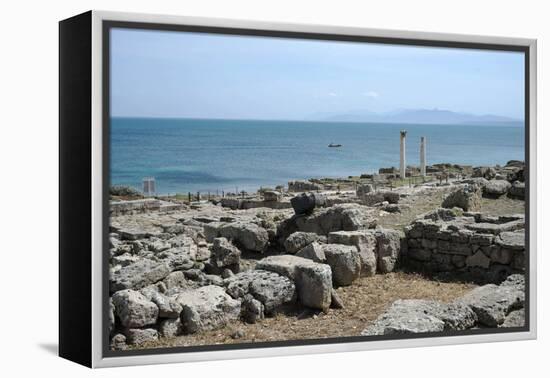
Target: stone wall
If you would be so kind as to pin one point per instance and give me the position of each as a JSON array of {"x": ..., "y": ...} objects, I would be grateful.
[
  {"x": 135, "y": 206},
  {"x": 470, "y": 244},
  {"x": 303, "y": 186},
  {"x": 243, "y": 204},
  {"x": 145, "y": 205}
]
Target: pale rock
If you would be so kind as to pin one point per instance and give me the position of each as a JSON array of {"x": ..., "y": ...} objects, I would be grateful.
[
  {"x": 249, "y": 236},
  {"x": 168, "y": 306},
  {"x": 252, "y": 310},
  {"x": 124, "y": 259},
  {"x": 170, "y": 327},
  {"x": 134, "y": 309},
  {"x": 271, "y": 289},
  {"x": 485, "y": 172},
  {"x": 138, "y": 336},
  {"x": 175, "y": 280},
  {"x": 138, "y": 275},
  {"x": 346, "y": 217},
  {"x": 420, "y": 316},
  {"x": 514, "y": 319},
  {"x": 365, "y": 242},
  {"x": 402, "y": 319},
  {"x": 313, "y": 280},
  {"x": 118, "y": 342},
  {"x": 388, "y": 249},
  {"x": 225, "y": 254},
  {"x": 511, "y": 240},
  {"x": 207, "y": 308},
  {"x": 313, "y": 251},
  {"x": 492, "y": 303},
  {"x": 496, "y": 188},
  {"x": 299, "y": 240},
  {"x": 468, "y": 198},
  {"x": 344, "y": 261}
]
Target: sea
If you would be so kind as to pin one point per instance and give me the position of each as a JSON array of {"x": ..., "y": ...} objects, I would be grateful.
[{"x": 207, "y": 155}]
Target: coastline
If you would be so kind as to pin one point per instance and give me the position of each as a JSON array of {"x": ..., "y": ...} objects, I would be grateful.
[
  {"x": 384, "y": 176},
  {"x": 206, "y": 155}
]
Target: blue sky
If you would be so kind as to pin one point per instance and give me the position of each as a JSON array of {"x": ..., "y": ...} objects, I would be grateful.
[{"x": 196, "y": 75}]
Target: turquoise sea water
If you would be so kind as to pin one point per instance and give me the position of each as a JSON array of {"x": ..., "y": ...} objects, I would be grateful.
[{"x": 214, "y": 155}]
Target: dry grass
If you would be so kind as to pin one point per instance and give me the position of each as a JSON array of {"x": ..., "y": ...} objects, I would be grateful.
[
  {"x": 413, "y": 206},
  {"x": 502, "y": 206},
  {"x": 364, "y": 301},
  {"x": 419, "y": 204}
]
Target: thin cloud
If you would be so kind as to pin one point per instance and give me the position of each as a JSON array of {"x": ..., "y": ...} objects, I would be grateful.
[
  {"x": 372, "y": 94},
  {"x": 332, "y": 94}
]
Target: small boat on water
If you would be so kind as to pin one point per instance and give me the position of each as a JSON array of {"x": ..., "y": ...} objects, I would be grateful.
[{"x": 334, "y": 145}]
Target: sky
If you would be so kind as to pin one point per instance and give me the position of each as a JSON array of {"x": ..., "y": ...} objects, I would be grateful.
[{"x": 199, "y": 75}]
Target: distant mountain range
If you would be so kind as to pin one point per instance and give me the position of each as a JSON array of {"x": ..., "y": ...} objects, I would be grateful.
[{"x": 429, "y": 116}]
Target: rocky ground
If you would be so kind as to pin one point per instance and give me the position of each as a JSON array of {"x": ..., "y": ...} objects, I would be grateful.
[
  {"x": 319, "y": 262},
  {"x": 364, "y": 301}
]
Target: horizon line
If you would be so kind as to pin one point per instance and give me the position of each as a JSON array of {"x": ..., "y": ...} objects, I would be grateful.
[{"x": 473, "y": 123}]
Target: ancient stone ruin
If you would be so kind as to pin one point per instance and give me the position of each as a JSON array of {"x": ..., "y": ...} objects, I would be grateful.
[
  {"x": 467, "y": 244},
  {"x": 185, "y": 268}
]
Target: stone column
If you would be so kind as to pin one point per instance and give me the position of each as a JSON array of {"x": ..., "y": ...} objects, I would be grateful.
[
  {"x": 402, "y": 152},
  {"x": 423, "y": 156}
]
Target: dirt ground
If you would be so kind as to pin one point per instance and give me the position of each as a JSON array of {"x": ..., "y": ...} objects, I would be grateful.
[{"x": 364, "y": 301}]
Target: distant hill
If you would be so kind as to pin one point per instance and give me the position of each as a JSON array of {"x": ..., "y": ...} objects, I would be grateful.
[{"x": 429, "y": 116}]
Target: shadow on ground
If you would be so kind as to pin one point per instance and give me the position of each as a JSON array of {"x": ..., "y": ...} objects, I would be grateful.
[{"x": 51, "y": 348}]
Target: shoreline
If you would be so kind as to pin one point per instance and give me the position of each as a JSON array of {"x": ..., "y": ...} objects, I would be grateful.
[{"x": 387, "y": 176}]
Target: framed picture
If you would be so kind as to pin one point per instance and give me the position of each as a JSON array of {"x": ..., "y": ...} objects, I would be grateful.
[{"x": 232, "y": 189}]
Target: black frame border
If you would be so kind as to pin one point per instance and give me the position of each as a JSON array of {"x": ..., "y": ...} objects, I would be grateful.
[
  {"x": 75, "y": 189},
  {"x": 107, "y": 25}
]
